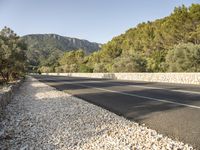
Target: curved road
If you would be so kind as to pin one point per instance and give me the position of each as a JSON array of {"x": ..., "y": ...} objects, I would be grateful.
[{"x": 171, "y": 109}]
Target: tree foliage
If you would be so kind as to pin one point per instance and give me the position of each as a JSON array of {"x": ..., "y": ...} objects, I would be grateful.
[
  {"x": 129, "y": 64},
  {"x": 184, "y": 58},
  {"x": 148, "y": 47},
  {"x": 73, "y": 61},
  {"x": 44, "y": 49},
  {"x": 12, "y": 55}
]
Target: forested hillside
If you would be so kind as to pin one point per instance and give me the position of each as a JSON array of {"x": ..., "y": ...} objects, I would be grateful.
[
  {"x": 45, "y": 49},
  {"x": 168, "y": 44}
]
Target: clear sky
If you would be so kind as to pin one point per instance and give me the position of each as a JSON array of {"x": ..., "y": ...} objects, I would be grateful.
[{"x": 94, "y": 20}]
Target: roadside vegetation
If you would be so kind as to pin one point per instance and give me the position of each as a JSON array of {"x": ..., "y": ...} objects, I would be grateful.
[
  {"x": 12, "y": 56},
  {"x": 171, "y": 44}
]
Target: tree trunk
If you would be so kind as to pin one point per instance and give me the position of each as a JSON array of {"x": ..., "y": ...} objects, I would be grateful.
[
  {"x": 7, "y": 77},
  {"x": 4, "y": 77}
]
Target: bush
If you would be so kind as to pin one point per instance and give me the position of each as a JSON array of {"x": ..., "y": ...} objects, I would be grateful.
[
  {"x": 100, "y": 67},
  {"x": 45, "y": 69},
  {"x": 129, "y": 64},
  {"x": 184, "y": 58},
  {"x": 84, "y": 68}
]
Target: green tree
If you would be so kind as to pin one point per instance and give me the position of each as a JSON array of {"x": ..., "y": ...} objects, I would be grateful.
[
  {"x": 100, "y": 67},
  {"x": 72, "y": 61},
  {"x": 142, "y": 48},
  {"x": 13, "y": 57},
  {"x": 129, "y": 64},
  {"x": 156, "y": 61},
  {"x": 151, "y": 40},
  {"x": 184, "y": 58}
]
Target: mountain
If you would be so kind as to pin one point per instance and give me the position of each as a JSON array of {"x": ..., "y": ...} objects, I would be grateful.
[
  {"x": 43, "y": 46},
  {"x": 169, "y": 44}
]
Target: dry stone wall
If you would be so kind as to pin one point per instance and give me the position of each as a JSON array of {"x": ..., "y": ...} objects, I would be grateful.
[{"x": 182, "y": 78}]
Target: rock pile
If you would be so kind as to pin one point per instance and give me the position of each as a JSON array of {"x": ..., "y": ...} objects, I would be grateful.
[{"x": 40, "y": 117}]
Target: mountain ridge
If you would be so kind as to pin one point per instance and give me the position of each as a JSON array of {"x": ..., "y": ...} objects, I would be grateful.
[
  {"x": 70, "y": 37},
  {"x": 43, "y": 46}
]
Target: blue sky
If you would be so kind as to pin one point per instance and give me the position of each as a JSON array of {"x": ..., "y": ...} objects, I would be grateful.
[{"x": 94, "y": 20}]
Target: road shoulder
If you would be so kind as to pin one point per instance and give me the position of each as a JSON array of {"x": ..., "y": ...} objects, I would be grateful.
[{"x": 39, "y": 116}]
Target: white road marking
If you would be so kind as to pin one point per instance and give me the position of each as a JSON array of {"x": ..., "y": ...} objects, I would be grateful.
[
  {"x": 140, "y": 96},
  {"x": 157, "y": 88},
  {"x": 141, "y": 86},
  {"x": 145, "y": 87},
  {"x": 150, "y": 87},
  {"x": 184, "y": 91}
]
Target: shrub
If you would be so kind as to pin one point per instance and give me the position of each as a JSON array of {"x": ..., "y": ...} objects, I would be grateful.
[{"x": 184, "y": 58}]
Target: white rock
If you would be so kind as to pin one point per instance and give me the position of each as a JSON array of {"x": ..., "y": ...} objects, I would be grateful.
[
  {"x": 24, "y": 147},
  {"x": 45, "y": 118}
]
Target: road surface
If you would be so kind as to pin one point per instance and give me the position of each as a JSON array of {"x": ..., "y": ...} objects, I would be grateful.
[{"x": 171, "y": 109}]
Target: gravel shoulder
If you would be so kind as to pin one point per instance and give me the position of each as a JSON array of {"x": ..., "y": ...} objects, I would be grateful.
[{"x": 40, "y": 117}]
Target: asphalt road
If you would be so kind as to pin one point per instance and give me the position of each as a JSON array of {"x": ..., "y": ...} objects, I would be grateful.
[{"x": 170, "y": 109}]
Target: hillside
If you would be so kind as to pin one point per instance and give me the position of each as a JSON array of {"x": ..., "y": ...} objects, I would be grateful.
[
  {"x": 169, "y": 44},
  {"x": 50, "y": 46}
]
